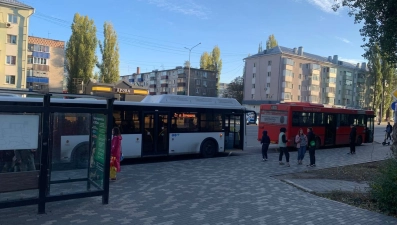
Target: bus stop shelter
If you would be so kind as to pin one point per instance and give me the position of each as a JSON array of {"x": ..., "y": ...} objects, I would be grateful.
[{"x": 33, "y": 134}]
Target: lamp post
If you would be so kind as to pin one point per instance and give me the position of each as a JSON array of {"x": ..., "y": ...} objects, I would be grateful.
[{"x": 188, "y": 77}]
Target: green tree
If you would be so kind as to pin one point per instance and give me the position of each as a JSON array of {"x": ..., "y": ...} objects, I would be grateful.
[
  {"x": 260, "y": 48},
  {"x": 235, "y": 89},
  {"x": 186, "y": 64},
  {"x": 375, "y": 76},
  {"x": 271, "y": 42},
  {"x": 380, "y": 19},
  {"x": 80, "y": 51},
  {"x": 109, "y": 68},
  {"x": 212, "y": 61},
  {"x": 388, "y": 77},
  {"x": 205, "y": 60}
]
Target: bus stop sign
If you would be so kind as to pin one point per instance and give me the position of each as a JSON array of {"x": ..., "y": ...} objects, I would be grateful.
[{"x": 393, "y": 106}]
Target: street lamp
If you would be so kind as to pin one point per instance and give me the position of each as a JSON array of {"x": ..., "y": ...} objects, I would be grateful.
[{"x": 188, "y": 77}]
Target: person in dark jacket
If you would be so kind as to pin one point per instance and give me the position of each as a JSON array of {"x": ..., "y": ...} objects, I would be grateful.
[
  {"x": 265, "y": 141},
  {"x": 312, "y": 149},
  {"x": 282, "y": 144},
  {"x": 352, "y": 139},
  {"x": 389, "y": 129}
]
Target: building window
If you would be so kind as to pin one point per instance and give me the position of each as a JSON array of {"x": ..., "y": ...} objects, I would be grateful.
[
  {"x": 30, "y": 59},
  {"x": 12, "y": 18},
  {"x": 268, "y": 85},
  {"x": 299, "y": 97},
  {"x": 11, "y": 60},
  {"x": 253, "y": 75},
  {"x": 253, "y": 85},
  {"x": 269, "y": 74},
  {"x": 40, "y": 61},
  {"x": 300, "y": 65},
  {"x": 299, "y": 87},
  {"x": 204, "y": 74},
  {"x": 254, "y": 64},
  {"x": 38, "y": 48},
  {"x": 307, "y": 66},
  {"x": 204, "y": 83},
  {"x": 197, "y": 90},
  {"x": 269, "y": 63},
  {"x": 252, "y": 96},
  {"x": 10, "y": 79},
  {"x": 11, "y": 39},
  {"x": 300, "y": 76}
]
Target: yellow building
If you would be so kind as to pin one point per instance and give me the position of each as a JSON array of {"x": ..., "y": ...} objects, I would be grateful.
[{"x": 14, "y": 24}]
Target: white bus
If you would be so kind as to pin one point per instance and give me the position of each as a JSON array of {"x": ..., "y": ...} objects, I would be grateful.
[{"x": 159, "y": 125}]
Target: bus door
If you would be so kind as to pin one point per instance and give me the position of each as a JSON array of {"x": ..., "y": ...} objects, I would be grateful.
[
  {"x": 369, "y": 131},
  {"x": 233, "y": 132},
  {"x": 155, "y": 133},
  {"x": 330, "y": 129}
]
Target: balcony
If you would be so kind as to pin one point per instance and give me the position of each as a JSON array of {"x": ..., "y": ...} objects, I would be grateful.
[
  {"x": 314, "y": 82},
  {"x": 41, "y": 67},
  {"x": 152, "y": 82},
  {"x": 182, "y": 75},
  {"x": 152, "y": 86},
  {"x": 181, "y": 93},
  {"x": 164, "y": 85},
  {"x": 181, "y": 84},
  {"x": 44, "y": 55},
  {"x": 164, "y": 77},
  {"x": 152, "y": 75},
  {"x": 331, "y": 75},
  {"x": 314, "y": 93},
  {"x": 360, "y": 80},
  {"x": 330, "y": 94},
  {"x": 287, "y": 78},
  {"x": 140, "y": 80},
  {"x": 329, "y": 84},
  {"x": 163, "y": 92}
]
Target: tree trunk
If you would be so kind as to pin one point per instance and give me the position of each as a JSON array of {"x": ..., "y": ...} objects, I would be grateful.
[{"x": 393, "y": 147}]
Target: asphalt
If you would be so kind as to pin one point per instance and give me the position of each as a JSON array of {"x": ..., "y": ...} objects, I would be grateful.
[{"x": 234, "y": 189}]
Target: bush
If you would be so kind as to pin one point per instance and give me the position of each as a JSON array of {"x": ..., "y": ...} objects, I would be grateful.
[{"x": 384, "y": 187}]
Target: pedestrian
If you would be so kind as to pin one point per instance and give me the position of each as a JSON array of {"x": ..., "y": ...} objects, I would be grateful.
[
  {"x": 265, "y": 141},
  {"x": 282, "y": 144},
  {"x": 116, "y": 152},
  {"x": 301, "y": 143},
  {"x": 352, "y": 139},
  {"x": 311, "y": 139},
  {"x": 389, "y": 129}
]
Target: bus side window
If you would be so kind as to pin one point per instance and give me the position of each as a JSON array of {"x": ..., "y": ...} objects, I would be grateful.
[{"x": 295, "y": 118}]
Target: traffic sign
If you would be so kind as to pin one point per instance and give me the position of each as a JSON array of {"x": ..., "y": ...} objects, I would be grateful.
[
  {"x": 393, "y": 106},
  {"x": 394, "y": 94}
]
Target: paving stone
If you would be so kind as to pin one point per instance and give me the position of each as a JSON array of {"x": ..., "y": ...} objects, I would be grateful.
[{"x": 238, "y": 189}]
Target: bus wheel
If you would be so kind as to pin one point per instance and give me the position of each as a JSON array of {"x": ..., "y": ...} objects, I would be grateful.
[
  {"x": 359, "y": 140},
  {"x": 208, "y": 148},
  {"x": 318, "y": 143},
  {"x": 80, "y": 155}
]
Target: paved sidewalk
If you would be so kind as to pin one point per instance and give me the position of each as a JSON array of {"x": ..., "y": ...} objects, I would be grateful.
[
  {"x": 224, "y": 190},
  {"x": 327, "y": 185}
]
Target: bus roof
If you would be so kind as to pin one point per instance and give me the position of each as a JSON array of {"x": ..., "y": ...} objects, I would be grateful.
[
  {"x": 311, "y": 107},
  {"x": 190, "y": 100},
  {"x": 155, "y": 100}
]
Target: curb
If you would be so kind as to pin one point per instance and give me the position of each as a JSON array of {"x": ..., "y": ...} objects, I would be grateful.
[{"x": 298, "y": 186}]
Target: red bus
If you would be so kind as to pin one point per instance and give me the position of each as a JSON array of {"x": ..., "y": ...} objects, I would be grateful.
[{"x": 330, "y": 125}]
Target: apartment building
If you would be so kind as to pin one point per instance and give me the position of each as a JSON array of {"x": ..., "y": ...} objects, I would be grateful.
[
  {"x": 14, "y": 43},
  {"x": 45, "y": 64},
  {"x": 282, "y": 74},
  {"x": 175, "y": 81}
]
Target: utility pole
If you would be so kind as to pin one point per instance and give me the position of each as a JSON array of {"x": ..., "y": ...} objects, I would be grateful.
[{"x": 188, "y": 77}]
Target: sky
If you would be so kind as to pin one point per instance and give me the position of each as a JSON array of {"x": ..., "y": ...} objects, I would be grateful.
[{"x": 153, "y": 34}]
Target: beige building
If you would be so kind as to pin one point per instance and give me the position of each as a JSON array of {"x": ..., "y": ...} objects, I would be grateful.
[
  {"x": 14, "y": 26},
  {"x": 282, "y": 74},
  {"x": 45, "y": 69},
  {"x": 174, "y": 81}
]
